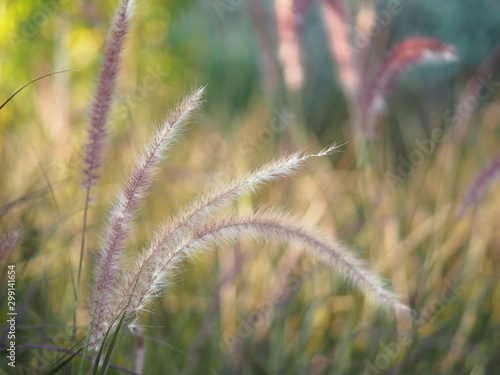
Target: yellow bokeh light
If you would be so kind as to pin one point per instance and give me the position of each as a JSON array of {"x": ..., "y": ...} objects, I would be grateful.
[
  {"x": 83, "y": 46},
  {"x": 155, "y": 31}
]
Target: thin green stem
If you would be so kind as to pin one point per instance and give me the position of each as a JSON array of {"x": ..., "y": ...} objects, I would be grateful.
[{"x": 82, "y": 248}]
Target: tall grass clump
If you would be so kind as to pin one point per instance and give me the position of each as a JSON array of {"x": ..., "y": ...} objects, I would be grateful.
[
  {"x": 123, "y": 284},
  {"x": 133, "y": 257}
]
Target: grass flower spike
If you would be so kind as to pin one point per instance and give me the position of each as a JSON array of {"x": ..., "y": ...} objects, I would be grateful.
[
  {"x": 128, "y": 202},
  {"x": 104, "y": 95},
  {"x": 271, "y": 225},
  {"x": 266, "y": 225}
]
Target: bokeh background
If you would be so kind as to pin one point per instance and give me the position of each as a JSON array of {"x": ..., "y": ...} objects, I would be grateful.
[{"x": 219, "y": 316}]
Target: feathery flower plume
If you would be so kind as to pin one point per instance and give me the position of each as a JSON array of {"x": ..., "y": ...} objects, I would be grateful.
[
  {"x": 127, "y": 204},
  {"x": 480, "y": 184},
  {"x": 209, "y": 203},
  {"x": 8, "y": 243},
  {"x": 289, "y": 19},
  {"x": 151, "y": 276},
  {"x": 338, "y": 28},
  {"x": 404, "y": 55},
  {"x": 280, "y": 226},
  {"x": 104, "y": 95}
]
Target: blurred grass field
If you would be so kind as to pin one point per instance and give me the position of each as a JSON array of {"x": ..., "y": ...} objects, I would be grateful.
[{"x": 222, "y": 315}]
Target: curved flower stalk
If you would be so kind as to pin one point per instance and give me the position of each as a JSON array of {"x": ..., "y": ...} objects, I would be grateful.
[
  {"x": 404, "y": 55},
  {"x": 479, "y": 185},
  {"x": 205, "y": 206},
  {"x": 270, "y": 225},
  {"x": 150, "y": 272},
  {"x": 128, "y": 202}
]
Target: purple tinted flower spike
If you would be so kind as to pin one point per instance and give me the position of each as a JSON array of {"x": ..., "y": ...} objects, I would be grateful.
[{"x": 92, "y": 159}]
